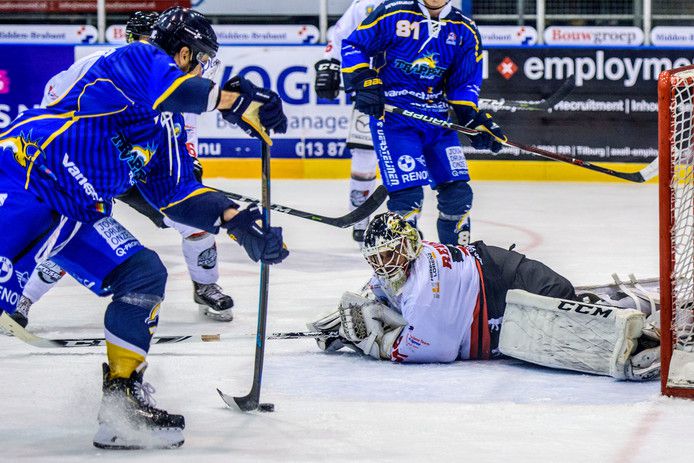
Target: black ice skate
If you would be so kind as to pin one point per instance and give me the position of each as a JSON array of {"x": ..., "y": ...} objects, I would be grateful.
[
  {"x": 21, "y": 315},
  {"x": 213, "y": 302},
  {"x": 128, "y": 419}
]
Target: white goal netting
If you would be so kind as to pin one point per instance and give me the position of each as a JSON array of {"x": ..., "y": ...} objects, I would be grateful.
[{"x": 681, "y": 373}]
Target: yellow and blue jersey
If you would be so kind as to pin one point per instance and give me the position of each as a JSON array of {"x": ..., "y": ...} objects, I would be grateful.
[
  {"x": 424, "y": 63},
  {"x": 101, "y": 136}
]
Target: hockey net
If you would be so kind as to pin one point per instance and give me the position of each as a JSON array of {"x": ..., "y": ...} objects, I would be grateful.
[{"x": 676, "y": 171}]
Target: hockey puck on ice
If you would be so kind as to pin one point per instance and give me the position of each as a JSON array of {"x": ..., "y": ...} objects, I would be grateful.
[{"x": 266, "y": 407}]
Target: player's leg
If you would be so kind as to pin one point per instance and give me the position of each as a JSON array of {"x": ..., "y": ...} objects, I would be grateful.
[
  {"x": 403, "y": 168},
  {"x": 361, "y": 184},
  {"x": 42, "y": 279},
  {"x": 454, "y": 204},
  {"x": 200, "y": 253},
  {"x": 450, "y": 177},
  {"x": 136, "y": 278},
  {"x": 363, "y": 167}
]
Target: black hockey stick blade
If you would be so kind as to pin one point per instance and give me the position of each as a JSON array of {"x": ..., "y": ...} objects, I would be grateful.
[
  {"x": 562, "y": 92},
  {"x": 638, "y": 177},
  {"x": 357, "y": 215}
]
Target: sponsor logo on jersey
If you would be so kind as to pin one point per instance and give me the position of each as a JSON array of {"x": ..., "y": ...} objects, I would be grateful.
[
  {"x": 391, "y": 174},
  {"x": 426, "y": 67},
  {"x": 24, "y": 150},
  {"x": 6, "y": 269},
  {"x": 452, "y": 38},
  {"x": 3, "y": 198},
  {"x": 406, "y": 163},
  {"x": 456, "y": 159},
  {"x": 137, "y": 156},
  {"x": 80, "y": 178},
  {"x": 507, "y": 68}
]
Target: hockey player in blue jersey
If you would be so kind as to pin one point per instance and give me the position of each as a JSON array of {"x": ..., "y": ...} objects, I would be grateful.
[
  {"x": 60, "y": 168},
  {"x": 424, "y": 56}
]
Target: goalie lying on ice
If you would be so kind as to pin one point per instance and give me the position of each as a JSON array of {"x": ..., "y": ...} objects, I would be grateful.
[{"x": 429, "y": 302}]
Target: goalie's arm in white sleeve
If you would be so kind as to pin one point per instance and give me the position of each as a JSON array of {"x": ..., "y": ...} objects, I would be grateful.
[{"x": 348, "y": 22}]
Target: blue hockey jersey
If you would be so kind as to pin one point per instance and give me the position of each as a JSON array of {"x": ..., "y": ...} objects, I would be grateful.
[
  {"x": 425, "y": 64},
  {"x": 102, "y": 136}
]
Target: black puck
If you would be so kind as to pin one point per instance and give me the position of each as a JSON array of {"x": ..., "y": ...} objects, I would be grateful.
[{"x": 266, "y": 407}]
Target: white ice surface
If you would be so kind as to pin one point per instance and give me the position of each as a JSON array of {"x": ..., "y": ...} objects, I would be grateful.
[{"x": 341, "y": 407}]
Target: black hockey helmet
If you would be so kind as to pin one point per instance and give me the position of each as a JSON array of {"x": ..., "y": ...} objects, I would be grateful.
[
  {"x": 390, "y": 244},
  {"x": 180, "y": 27},
  {"x": 140, "y": 24}
]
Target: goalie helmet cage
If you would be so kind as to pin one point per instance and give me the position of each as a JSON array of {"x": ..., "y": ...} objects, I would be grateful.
[{"x": 676, "y": 170}]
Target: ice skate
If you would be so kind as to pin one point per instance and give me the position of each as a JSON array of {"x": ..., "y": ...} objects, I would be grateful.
[
  {"x": 213, "y": 302},
  {"x": 128, "y": 419},
  {"x": 21, "y": 315}
]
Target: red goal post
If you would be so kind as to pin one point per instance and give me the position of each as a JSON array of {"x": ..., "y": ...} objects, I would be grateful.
[{"x": 676, "y": 172}]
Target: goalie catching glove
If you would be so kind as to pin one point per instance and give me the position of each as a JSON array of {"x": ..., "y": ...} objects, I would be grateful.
[
  {"x": 256, "y": 110},
  {"x": 491, "y": 135},
  {"x": 369, "y": 325},
  {"x": 261, "y": 243}
]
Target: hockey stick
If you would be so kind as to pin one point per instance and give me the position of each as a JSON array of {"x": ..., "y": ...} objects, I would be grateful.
[
  {"x": 641, "y": 176},
  {"x": 251, "y": 401},
  {"x": 15, "y": 329},
  {"x": 357, "y": 215},
  {"x": 540, "y": 105}
]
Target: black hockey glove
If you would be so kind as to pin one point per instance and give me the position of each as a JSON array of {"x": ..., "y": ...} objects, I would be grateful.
[
  {"x": 261, "y": 244},
  {"x": 327, "y": 82},
  {"x": 248, "y": 113},
  {"x": 370, "y": 98},
  {"x": 491, "y": 136}
]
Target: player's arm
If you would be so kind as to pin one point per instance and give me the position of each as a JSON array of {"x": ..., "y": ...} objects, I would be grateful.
[
  {"x": 463, "y": 86},
  {"x": 371, "y": 37},
  {"x": 184, "y": 199},
  {"x": 421, "y": 334},
  {"x": 150, "y": 77}
]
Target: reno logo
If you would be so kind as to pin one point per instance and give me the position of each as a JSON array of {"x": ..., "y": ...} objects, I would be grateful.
[{"x": 425, "y": 67}]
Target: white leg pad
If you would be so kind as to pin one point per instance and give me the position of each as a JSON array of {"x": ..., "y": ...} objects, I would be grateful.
[{"x": 572, "y": 335}]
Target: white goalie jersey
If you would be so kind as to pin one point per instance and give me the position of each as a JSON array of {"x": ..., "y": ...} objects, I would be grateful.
[{"x": 439, "y": 301}]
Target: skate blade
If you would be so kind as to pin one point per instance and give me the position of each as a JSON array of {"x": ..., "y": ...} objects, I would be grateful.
[
  {"x": 217, "y": 315},
  {"x": 136, "y": 439}
]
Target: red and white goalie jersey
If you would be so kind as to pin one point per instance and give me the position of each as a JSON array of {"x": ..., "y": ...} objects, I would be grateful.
[{"x": 439, "y": 302}]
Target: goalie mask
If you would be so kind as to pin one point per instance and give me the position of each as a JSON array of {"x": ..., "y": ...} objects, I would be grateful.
[{"x": 390, "y": 244}]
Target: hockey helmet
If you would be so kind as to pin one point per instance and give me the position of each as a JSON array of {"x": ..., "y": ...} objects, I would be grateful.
[
  {"x": 390, "y": 244},
  {"x": 140, "y": 24},
  {"x": 180, "y": 27}
]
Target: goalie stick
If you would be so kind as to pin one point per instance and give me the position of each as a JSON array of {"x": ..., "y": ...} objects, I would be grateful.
[
  {"x": 540, "y": 105},
  {"x": 357, "y": 215},
  {"x": 12, "y": 327},
  {"x": 648, "y": 172}
]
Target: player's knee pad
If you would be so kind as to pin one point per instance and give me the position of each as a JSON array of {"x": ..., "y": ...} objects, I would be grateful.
[
  {"x": 132, "y": 317},
  {"x": 143, "y": 273},
  {"x": 364, "y": 164},
  {"x": 407, "y": 203},
  {"x": 454, "y": 204}
]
